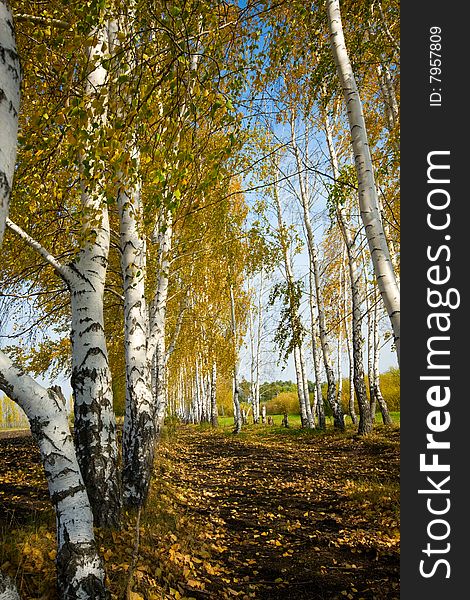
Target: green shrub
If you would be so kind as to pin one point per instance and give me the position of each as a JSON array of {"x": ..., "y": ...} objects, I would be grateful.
[
  {"x": 390, "y": 386},
  {"x": 284, "y": 402}
]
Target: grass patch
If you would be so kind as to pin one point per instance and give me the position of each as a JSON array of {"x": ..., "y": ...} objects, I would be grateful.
[{"x": 294, "y": 422}]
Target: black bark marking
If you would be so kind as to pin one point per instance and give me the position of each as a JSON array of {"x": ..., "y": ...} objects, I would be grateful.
[
  {"x": 69, "y": 562},
  {"x": 59, "y": 496}
]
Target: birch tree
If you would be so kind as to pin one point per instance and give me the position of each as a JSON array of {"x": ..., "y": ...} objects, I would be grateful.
[
  {"x": 80, "y": 570},
  {"x": 213, "y": 396},
  {"x": 312, "y": 251},
  {"x": 139, "y": 425},
  {"x": 368, "y": 200},
  {"x": 291, "y": 301},
  {"x": 85, "y": 277},
  {"x": 10, "y": 81},
  {"x": 237, "y": 414},
  {"x": 365, "y": 419}
]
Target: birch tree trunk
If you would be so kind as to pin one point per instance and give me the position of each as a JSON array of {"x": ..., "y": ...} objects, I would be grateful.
[
  {"x": 80, "y": 573},
  {"x": 376, "y": 391},
  {"x": 318, "y": 405},
  {"x": 389, "y": 96},
  {"x": 10, "y": 73},
  {"x": 368, "y": 200},
  {"x": 95, "y": 426},
  {"x": 139, "y": 421},
  {"x": 255, "y": 347},
  {"x": 300, "y": 387},
  {"x": 80, "y": 570},
  {"x": 306, "y": 394},
  {"x": 237, "y": 415},
  {"x": 352, "y": 410},
  {"x": 337, "y": 411},
  {"x": 163, "y": 236},
  {"x": 259, "y": 328},
  {"x": 306, "y": 420},
  {"x": 8, "y": 589},
  {"x": 365, "y": 420},
  {"x": 339, "y": 347},
  {"x": 157, "y": 353},
  {"x": 214, "y": 414},
  {"x": 370, "y": 340},
  {"x": 10, "y": 81},
  {"x": 94, "y": 420}
]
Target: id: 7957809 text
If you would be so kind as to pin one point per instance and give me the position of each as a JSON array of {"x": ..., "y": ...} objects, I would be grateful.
[{"x": 435, "y": 65}]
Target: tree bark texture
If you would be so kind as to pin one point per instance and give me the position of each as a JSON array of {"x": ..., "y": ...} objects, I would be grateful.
[
  {"x": 8, "y": 589},
  {"x": 157, "y": 346},
  {"x": 368, "y": 200},
  {"x": 79, "y": 568},
  {"x": 365, "y": 420},
  {"x": 10, "y": 81},
  {"x": 326, "y": 352},
  {"x": 214, "y": 413},
  {"x": 95, "y": 426},
  {"x": 237, "y": 414},
  {"x": 138, "y": 440}
]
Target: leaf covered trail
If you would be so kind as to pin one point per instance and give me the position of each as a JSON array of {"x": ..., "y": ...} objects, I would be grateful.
[
  {"x": 268, "y": 514},
  {"x": 292, "y": 515}
]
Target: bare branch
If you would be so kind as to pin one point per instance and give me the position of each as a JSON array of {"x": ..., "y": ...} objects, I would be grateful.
[{"x": 63, "y": 271}]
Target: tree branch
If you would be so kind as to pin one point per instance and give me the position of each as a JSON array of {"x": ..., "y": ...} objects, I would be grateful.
[
  {"x": 41, "y": 20},
  {"x": 179, "y": 322},
  {"x": 63, "y": 271}
]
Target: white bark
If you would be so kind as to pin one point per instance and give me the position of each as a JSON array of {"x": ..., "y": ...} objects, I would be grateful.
[
  {"x": 8, "y": 589},
  {"x": 95, "y": 429},
  {"x": 306, "y": 394},
  {"x": 348, "y": 335},
  {"x": 10, "y": 81},
  {"x": 214, "y": 413},
  {"x": 389, "y": 96},
  {"x": 139, "y": 425},
  {"x": 300, "y": 387},
  {"x": 237, "y": 415},
  {"x": 313, "y": 259},
  {"x": 339, "y": 347},
  {"x": 365, "y": 421},
  {"x": 318, "y": 408},
  {"x": 370, "y": 332},
  {"x": 255, "y": 346},
  {"x": 368, "y": 200},
  {"x": 139, "y": 420},
  {"x": 80, "y": 571},
  {"x": 157, "y": 353},
  {"x": 163, "y": 236},
  {"x": 377, "y": 392},
  {"x": 306, "y": 421}
]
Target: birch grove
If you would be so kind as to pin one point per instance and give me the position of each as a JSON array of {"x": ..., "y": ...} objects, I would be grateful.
[{"x": 169, "y": 169}]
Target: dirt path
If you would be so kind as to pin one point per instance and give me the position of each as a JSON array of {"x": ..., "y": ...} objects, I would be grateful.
[
  {"x": 267, "y": 515},
  {"x": 297, "y": 516}
]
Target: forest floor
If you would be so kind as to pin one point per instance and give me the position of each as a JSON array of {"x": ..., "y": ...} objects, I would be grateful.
[{"x": 272, "y": 513}]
